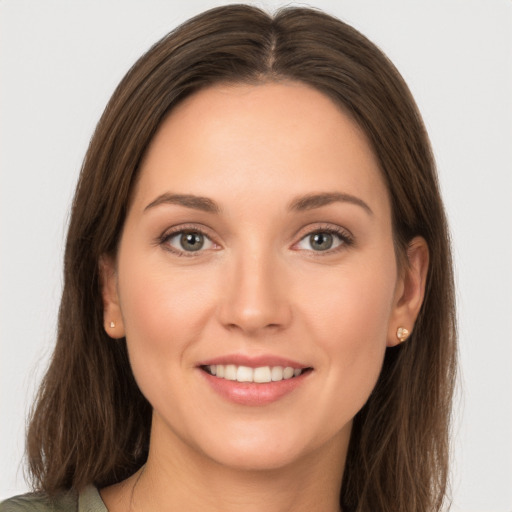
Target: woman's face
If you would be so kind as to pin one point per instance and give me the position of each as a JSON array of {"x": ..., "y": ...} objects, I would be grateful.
[{"x": 259, "y": 239}]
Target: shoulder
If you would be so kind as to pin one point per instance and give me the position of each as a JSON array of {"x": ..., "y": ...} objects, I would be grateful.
[
  {"x": 40, "y": 502},
  {"x": 89, "y": 500}
]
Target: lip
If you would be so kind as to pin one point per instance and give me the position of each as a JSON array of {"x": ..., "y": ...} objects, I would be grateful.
[
  {"x": 251, "y": 393},
  {"x": 253, "y": 361}
]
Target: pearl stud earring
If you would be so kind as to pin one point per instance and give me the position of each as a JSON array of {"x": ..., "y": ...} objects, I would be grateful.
[{"x": 402, "y": 334}]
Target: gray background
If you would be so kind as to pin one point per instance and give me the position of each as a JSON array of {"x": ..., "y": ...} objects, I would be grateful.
[{"x": 59, "y": 63}]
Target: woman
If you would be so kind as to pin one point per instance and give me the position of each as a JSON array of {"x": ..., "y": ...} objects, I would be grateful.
[{"x": 258, "y": 300}]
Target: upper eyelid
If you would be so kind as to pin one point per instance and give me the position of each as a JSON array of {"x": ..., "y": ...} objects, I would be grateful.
[
  {"x": 321, "y": 227},
  {"x": 181, "y": 228}
]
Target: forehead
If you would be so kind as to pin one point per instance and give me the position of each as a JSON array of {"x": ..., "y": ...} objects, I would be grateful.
[{"x": 246, "y": 139}]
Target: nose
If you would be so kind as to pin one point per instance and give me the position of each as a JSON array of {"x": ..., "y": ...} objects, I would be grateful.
[{"x": 255, "y": 297}]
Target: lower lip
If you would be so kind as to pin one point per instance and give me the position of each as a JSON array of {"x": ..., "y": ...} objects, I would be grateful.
[{"x": 251, "y": 393}]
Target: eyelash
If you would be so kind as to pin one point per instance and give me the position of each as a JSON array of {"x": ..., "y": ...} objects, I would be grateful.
[
  {"x": 343, "y": 235},
  {"x": 346, "y": 239},
  {"x": 164, "y": 239}
]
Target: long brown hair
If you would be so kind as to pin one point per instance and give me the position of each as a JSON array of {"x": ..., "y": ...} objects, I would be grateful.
[{"x": 90, "y": 423}]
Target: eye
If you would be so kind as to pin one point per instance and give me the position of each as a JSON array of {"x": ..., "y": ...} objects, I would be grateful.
[
  {"x": 323, "y": 241},
  {"x": 188, "y": 241}
]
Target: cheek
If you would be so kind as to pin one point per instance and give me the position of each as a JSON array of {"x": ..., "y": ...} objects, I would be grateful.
[
  {"x": 350, "y": 323},
  {"x": 163, "y": 312},
  {"x": 351, "y": 306},
  {"x": 158, "y": 302}
]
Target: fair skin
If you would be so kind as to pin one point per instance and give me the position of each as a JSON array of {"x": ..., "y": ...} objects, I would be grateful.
[{"x": 264, "y": 276}]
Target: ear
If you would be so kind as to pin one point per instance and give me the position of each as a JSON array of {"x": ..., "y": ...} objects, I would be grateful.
[
  {"x": 410, "y": 290},
  {"x": 112, "y": 317}
]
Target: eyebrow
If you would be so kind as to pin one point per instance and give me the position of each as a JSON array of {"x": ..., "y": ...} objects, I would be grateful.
[
  {"x": 302, "y": 203},
  {"x": 188, "y": 200},
  {"x": 312, "y": 201}
]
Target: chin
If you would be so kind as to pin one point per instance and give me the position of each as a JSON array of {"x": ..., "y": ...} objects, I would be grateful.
[
  {"x": 257, "y": 458},
  {"x": 271, "y": 450}
]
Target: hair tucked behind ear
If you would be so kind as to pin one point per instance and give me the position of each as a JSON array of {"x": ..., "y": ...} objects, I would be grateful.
[{"x": 90, "y": 423}]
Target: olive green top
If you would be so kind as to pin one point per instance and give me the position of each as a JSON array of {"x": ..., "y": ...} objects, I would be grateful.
[{"x": 88, "y": 500}]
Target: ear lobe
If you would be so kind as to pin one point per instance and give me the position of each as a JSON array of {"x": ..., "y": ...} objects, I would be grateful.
[
  {"x": 112, "y": 317},
  {"x": 410, "y": 290}
]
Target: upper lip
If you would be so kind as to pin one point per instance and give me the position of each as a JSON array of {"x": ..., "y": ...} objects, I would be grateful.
[{"x": 253, "y": 361}]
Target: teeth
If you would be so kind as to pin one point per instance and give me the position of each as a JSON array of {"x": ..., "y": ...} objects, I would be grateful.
[
  {"x": 230, "y": 372},
  {"x": 244, "y": 374},
  {"x": 287, "y": 373},
  {"x": 262, "y": 374},
  {"x": 276, "y": 373}
]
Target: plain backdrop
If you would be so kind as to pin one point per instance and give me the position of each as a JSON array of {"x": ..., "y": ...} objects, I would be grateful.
[{"x": 59, "y": 63}]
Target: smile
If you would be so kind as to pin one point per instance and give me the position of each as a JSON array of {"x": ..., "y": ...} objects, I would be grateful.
[{"x": 260, "y": 374}]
